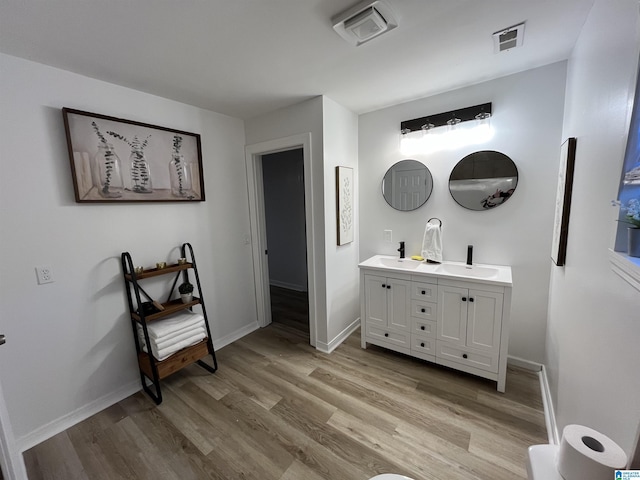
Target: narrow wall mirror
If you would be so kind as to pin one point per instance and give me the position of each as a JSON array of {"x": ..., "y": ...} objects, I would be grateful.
[
  {"x": 483, "y": 180},
  {"x": 407, "y": 185}
]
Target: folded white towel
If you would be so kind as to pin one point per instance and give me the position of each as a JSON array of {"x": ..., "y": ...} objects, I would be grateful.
[
  {"x": 175, "y": 323},
  {"x": 432, "y": 243},
  {"x": 169, "y": 340},
  {"x": 163, "y": 353}
]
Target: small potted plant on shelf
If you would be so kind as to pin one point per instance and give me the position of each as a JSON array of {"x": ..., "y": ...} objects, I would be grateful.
[{"x": 186, "y": 292}]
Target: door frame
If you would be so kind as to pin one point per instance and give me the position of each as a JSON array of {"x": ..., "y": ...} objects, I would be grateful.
[
  {"x": 255, "y": 187},
  {"x": 13, "y": 466}
]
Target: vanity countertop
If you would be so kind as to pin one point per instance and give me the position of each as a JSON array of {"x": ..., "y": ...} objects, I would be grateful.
[{"x": 479, "y": 273}]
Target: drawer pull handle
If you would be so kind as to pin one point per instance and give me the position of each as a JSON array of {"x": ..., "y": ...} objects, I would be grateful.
[
  {"x": 464, "y": 299},
  {"x": 422, "y": 327},
  {"x": 424, "y": 292},
  {"x": 422, "y": 310},
  {"x": 464, "y": 355},
  {"x": 422, "y": 344},
  {"x": 386, "y": 334}
]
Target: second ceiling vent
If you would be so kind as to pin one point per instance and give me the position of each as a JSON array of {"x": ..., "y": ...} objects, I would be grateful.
[{"x": 364, "y": 22}]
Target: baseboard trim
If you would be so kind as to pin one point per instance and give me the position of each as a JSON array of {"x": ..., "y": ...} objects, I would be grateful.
[
  {"x": 341, "y": 337},
  {"x": 549, "y": 413},
  {"x": 237, "y": 335},
  {"x": 54, "y": 427},
  {"x": 288, "y": 286},
  {"x": 522, "y": 363}
]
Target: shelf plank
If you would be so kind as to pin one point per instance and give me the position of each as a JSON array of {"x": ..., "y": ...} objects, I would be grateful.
[
  {"x": 175, "y": 362},
  {"x": 154, "y": 272},
  {"x": 171, "y": 307}
]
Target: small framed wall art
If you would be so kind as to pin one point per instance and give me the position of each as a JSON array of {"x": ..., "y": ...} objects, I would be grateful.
[
  {"x": 344, "y": 204},
  {"x": 563, "y": 201},
  {"x": 116, "y": 160}
]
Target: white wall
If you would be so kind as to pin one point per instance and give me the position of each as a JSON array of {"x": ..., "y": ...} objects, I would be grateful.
[
  {"x": 594, "y": 325},
  {"x": 527, "y": 118},
  {"x": 343, "y": 281},
  {"x": 333, "y": 142},
  {"x": 283, "y": 178},
  {"x": 69, "y": 344}
]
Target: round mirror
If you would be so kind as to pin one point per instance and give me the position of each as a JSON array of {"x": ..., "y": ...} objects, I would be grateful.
[
  {"x": 407, "y": 185},
  {"x": 483, "y": 180}
]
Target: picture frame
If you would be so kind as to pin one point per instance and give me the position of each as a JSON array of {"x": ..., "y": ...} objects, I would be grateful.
[
  {"x": 563, "y": 201},
  {"x": 117, "y": 160},
  {"x": 344, "y": 204}
]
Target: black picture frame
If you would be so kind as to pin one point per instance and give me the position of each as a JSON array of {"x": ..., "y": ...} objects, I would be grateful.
[
  {"x": 145, "y": 163},
  {"x": 563, "y": 201}
]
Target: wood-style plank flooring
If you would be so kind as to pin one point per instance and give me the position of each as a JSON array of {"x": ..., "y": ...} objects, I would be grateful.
[{"x": 279, "y": 409}]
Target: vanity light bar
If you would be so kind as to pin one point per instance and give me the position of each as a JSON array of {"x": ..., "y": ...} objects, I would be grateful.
[{"x": 441, "y": 119}]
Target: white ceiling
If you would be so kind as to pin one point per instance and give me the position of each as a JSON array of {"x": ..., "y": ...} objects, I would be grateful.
[{"x": 247, "y": 57}]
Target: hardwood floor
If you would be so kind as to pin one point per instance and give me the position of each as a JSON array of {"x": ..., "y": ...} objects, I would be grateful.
[{"x": 279, "y": 409}]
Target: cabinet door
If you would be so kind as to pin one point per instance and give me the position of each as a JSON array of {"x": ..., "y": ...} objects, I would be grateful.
[
  {"x": 484, "y": 321},
  {"x": 452, "y": 314},
  {"x": 375, "y": 294},
  {"x": 399, "y": 304}
]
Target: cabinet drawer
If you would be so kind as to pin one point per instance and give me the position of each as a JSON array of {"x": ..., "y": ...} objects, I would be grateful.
[
  {"x": 423, "y": 345},
  {"x": 425, "y": 328},
  {"x": 467, "y": 356},
  {"x": 424, "y": 291},
  {"x": 424, "y": 310},
  {"x": 394, "y": 337}
]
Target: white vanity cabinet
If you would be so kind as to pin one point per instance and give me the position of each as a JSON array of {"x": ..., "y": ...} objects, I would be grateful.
[{"x": 452, "y": 320}]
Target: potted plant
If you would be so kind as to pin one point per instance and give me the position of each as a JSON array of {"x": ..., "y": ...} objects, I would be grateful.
[{"x": 186, "y": 292}]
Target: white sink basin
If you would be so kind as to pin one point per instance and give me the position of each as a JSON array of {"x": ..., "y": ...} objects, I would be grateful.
[
  {"x": 467, "y": 270},
  {"x": 404, "y": 263}
]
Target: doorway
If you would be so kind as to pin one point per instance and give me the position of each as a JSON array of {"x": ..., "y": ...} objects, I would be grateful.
[
  {"x": 283, "y": 187},
  {"x": 254, "y": 157}
]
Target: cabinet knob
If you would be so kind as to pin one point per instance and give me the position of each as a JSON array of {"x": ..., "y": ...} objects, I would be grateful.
[
  {"x": 464, "y": 355},
  {"x": 422, "y": 344},
  {"x": 422, "y": 310},
  {"x": 384, "y": 286},
  {"x": 424, "y": 292},
  {"x": 389, "y": 286},
  {"x": 471, "y": 299},
  {"x": 386, "y": 334},
  {"x": 464, "y": 299},
  {"x": 422, "y": 327}
]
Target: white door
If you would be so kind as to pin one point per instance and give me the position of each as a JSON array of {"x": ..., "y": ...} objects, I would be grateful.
[
  {"x": 485, "y": 320},
  {"x": 452, "y": 314},
  {"x": 376, "y": 300},
  {"x": 409, "y": 189},
  {"x": 399, "y": 303}
]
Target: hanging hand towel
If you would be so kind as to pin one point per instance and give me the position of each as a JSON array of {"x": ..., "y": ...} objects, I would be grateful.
[{"x": 432, "y": 243}]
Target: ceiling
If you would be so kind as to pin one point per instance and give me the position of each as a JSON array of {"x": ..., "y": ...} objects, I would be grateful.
[{"x": 247, "y": 57}]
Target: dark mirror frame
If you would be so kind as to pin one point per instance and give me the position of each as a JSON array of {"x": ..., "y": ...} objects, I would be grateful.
[
  {"x": 387, "y": 181},
  {"x": 483, "y": 180}
]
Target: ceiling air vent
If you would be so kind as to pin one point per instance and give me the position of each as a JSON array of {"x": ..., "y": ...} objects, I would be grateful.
[
  {"x": 364, "y": 21},
  {"x": 508, "y": 38}
]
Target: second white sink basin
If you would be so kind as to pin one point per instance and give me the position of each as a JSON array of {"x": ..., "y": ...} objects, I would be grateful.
[
  {"x": 404, "y": 263},
  {"x": 467, "y": 270}
]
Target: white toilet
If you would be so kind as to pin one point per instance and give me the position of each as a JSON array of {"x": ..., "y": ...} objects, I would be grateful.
[{"x": 541, "y": 463}]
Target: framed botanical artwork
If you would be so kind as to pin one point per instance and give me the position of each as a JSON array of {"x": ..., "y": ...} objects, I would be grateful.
[
  {"x": 116, "y": 160},
  {"x": 344, "y": 204},
  {"x": 563, "y": 201}
]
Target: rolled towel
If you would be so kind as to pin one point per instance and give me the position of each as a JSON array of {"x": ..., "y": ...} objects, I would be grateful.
[{"x": 432, "y": 243}]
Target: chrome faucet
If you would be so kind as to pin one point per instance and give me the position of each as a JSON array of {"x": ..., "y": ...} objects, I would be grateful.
[
  {"x": 401, "y": 249},
  {"x": 469, "y": 254}
]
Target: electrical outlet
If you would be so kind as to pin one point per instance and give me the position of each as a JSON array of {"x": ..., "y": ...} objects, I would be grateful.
[
  {"x": 45, "y": 274},
  {"x": 387, "y": 236}
]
